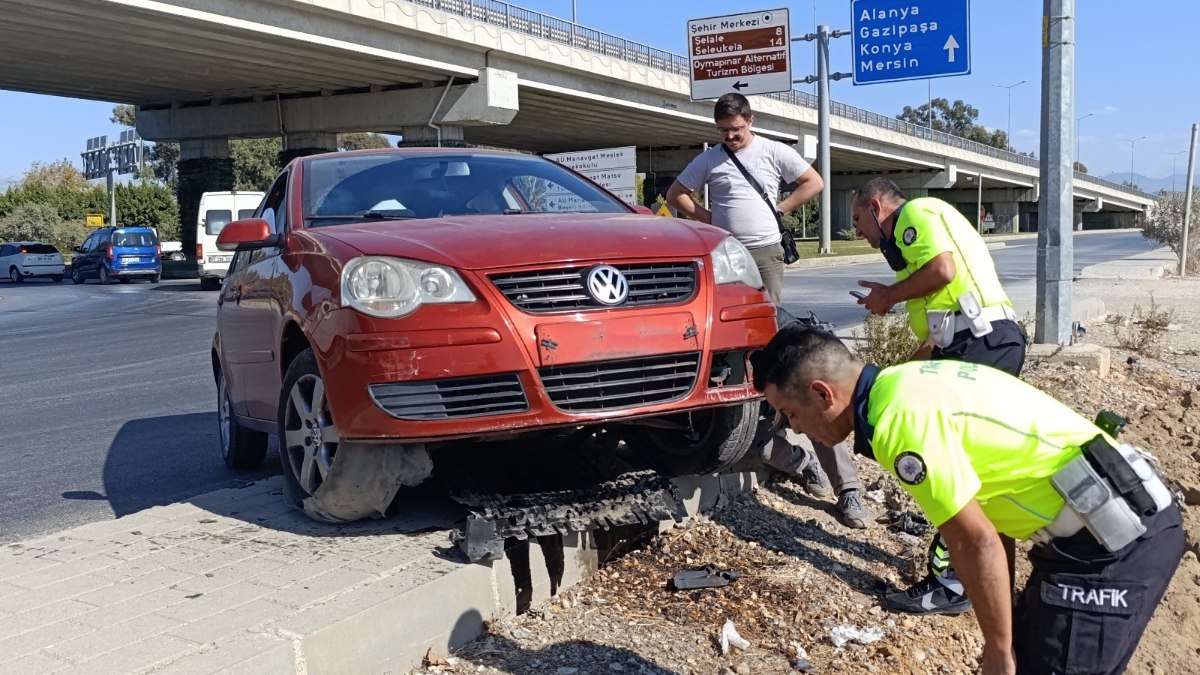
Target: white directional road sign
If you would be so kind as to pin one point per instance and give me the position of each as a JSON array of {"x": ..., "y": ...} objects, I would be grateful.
[
  {"x": 910, "y": 39},
  {"x": 614, "y": 169},
  {"x": 747, "y": 53}
]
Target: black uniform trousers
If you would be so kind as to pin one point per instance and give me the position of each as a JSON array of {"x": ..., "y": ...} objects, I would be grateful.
[
  {"x": 1003, "y": 348},
  {"x": 1085, "y": 608}
]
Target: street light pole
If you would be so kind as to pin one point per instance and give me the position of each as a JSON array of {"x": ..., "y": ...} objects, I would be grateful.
[
  {"x": 1132, "y": 141},
  {"x": 1009, "y": 87},
  {"x": 574, "y": 13},
  {"x": 1173, "y": 156},
  {"x": 1077, "y": 121}
]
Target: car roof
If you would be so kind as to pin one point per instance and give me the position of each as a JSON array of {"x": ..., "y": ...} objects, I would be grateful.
[{"x": 19, "y": 243}]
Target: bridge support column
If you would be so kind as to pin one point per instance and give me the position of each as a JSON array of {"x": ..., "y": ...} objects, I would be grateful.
[
  {"x": 303, "y": 144},
  {"x": 840, "y": 210},
  {"x": 1077, "y": 218},
  {"x": 204, "y": 166},
  {"x": 425, "y": 136},
  {"x": 1007, "y": 216}
]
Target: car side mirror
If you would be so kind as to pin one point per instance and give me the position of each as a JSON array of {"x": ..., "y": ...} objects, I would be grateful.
[
  {"x": 644, "y": 210},
  {"x": 79, "y": 249},
  {"x": 250, "y": 233}
]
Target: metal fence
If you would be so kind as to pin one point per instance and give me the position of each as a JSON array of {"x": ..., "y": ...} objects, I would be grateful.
[{"x": 546, "y": 27}]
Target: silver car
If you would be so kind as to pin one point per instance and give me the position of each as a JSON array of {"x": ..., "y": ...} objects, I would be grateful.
[{"x": 22, "y": 260}]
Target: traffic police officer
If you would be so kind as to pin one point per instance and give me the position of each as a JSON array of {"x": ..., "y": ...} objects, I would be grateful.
[
  {"x": 987, "y": 457},
  {"x": 956, "y": 305}
]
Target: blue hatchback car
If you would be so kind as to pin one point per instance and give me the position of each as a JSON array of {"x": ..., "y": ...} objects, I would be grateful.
[{"x": 118, "y": 253}]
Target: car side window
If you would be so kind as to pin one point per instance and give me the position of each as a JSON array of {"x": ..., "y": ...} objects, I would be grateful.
[
  {"x": 274, "y": 210},
  {"x": 5, "y": 251}
]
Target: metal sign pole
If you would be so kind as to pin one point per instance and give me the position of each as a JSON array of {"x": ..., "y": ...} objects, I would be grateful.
[
  {"x": 1187, "y": 204},
  {"x": 112, "y": 191},
  {"x": 822, "y": 79}
]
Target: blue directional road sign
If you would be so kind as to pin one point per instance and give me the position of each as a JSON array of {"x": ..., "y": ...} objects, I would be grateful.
[{"x": 910, "y": 39}]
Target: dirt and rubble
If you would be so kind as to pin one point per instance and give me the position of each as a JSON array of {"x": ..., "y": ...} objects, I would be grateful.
[{"x": 808, "y": 595}]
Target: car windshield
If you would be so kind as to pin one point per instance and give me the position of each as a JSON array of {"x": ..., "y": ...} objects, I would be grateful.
[
  {"x": 38, "y": 248},
  {"x": 373, "y": 186},
  {"x": 133, "y": 238}
]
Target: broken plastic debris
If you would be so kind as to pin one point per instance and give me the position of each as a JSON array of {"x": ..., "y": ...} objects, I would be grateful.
[
  {"x": 729, "y": 636},
  {"x": 840, "y": 635},
  {"x": 876, "y": 496}
]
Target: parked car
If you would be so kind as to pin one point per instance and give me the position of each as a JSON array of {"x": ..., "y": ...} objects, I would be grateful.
[
  {"x": 118, "y": 253},
  {"x": 23, "y": 260},
  {"x": 383, "y": 303}
]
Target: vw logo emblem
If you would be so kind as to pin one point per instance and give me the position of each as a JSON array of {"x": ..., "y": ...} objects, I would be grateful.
[{"x": 607, "y": 285}]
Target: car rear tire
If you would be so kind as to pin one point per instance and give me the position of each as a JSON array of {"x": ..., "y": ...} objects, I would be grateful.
[
  {"x": 155, "y": 278},
  {"x": 332, "y": 480},
  {"x": 14, "y": 275},
  {"x": 105, "y": 277},
  {"x": 700, "y": 442},
  {"x": 178, "y": 256},
  {"x": 124, "y": 280},
  {"x": 209, "y": 283},
  {"x": 76, "y": 277},
  {"x": 241, "y": 448}
]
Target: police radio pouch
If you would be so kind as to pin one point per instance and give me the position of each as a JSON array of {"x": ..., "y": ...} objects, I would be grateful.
[{"x": 1108, "y": 490}]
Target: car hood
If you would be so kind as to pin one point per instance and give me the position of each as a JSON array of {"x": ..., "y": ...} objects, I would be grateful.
[{"x": 482, "y": 242}]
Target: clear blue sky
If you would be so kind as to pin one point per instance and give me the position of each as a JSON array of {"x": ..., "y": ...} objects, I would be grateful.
[{"x": 1130, "y": 71}]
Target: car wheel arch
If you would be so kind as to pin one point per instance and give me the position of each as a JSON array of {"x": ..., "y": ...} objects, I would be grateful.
[{"x": 293, "y": 343}]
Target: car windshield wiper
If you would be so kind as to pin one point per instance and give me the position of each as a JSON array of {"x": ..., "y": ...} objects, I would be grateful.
[{"x": 366, "y": 215}]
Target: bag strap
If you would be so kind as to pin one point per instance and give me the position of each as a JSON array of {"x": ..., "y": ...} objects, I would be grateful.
[{"x": 754, "y": 184}]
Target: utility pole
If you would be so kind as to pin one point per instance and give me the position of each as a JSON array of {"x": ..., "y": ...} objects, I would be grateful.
[
  {"x": 1187, "y": 204},
  {"x": 1055, "y": 253},
  {"x": 822, "y": 36}
]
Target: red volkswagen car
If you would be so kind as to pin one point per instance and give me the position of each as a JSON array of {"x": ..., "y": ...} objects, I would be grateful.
[{"x": 385, "y": 303}]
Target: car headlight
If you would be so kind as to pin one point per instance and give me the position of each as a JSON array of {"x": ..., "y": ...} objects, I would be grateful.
[
  {"x": 395, "y": 287},
  {"x": 732, "y": 263}
]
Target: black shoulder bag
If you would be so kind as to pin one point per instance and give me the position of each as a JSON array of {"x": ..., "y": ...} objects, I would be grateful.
[{"x": 787, "y": 239}]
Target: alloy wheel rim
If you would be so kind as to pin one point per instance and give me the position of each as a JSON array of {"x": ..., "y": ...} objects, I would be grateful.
[{"x": 310, "y": 436}]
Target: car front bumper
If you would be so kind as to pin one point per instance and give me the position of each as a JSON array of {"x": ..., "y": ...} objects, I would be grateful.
[{"x": 487, "y": 372}]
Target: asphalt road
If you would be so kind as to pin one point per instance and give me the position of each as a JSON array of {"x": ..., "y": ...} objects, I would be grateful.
[
  {"x": 109, "y": 401},
  {"x": 826, "y": 290}
]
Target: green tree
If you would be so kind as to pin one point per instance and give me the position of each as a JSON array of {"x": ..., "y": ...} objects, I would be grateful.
[
  {"x": 149, "y": 204},
  {"x": 956, "y": 118},
  {"x": 1079, "y": 166},
  {"x": 60, "y": 174},
  {"x": 255, "y": 162},
  {"x": 1164, "y": 225},
  {"x": 40, "y": 221},
  {"x": 362, "y": 141}
]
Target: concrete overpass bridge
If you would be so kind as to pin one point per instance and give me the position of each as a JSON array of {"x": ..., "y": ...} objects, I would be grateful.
[{"x": 203, "y": 71}]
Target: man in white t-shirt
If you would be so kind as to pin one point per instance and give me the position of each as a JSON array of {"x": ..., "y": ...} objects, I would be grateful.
[
  {"x": 736, "y": 206},
  {"x": 740, "y": 209}
]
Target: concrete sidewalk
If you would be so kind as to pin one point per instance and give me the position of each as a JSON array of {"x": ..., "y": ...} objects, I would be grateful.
[{"x": 236, "y": 581}]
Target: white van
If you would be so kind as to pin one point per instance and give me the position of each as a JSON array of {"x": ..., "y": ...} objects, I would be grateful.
[{"x": 218, "y": 209}]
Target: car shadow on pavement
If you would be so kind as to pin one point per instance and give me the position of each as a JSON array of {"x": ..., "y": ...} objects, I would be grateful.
[
  {"x": 162, "y": 460},
  {"x": 502, "y": 652},
  {"x": 794, "y": 537}
]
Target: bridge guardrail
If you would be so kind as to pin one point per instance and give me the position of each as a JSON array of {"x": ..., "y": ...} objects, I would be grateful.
[{"x": 546, "y": 27}]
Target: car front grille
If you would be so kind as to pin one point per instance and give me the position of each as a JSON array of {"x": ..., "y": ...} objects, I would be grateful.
[
  {"x": 452, "y": 398},
  {"x": 627, "y": 383},
  {"x": 563, "y": 289}
]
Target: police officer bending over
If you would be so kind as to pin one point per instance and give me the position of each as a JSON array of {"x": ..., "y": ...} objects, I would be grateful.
[
  {"x": 947, "y": 280},
  {"x": 987, "y": 457}
]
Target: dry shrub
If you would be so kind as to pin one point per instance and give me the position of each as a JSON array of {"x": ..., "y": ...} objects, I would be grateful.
[
  {"x": 1141, "y": 331},
  {"x": 886, "y": 340}
]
